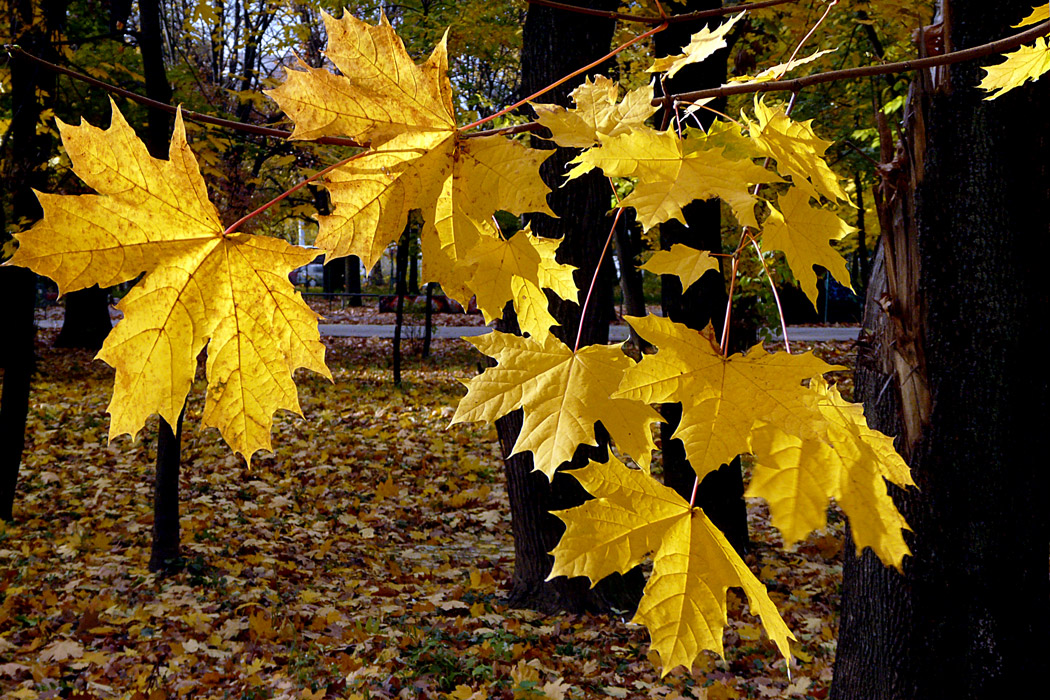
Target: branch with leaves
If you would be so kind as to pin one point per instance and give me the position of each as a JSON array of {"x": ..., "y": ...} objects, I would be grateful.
[{"x": 209, "y": 285}]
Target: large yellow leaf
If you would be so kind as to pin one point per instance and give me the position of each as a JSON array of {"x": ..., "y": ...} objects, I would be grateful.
[
  {"x": 563, "y": 393},
  {"x": 798, "y": 151},
  {"x": 1024, "y": 64},
  {"x": 596, "y": 112},
  {"x": 684, "y": 604},
  {"x": 419, "y": 160},
  {"x": 202, "y": 286},
  {"x": 721, "y": 397},
  {"x": 702, "y": 44},
  {"x": 672, "y": 172},
  {"x": 688, "y": 264},
  {"x": 834, "y": 455},
  {"x": 803, "y": 232},
  {"x": 492, "y": 265}
]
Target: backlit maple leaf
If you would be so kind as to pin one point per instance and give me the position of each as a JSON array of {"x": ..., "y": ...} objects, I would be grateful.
[
  {"x": 682, "y": 261},
  {"x": 1024, "y": 64},
  {"x": 803, "y": 232},
  {"x": 596, "y": 112},
  {"x": 419, "y": 160},
  {"x": 563, "y": 393},
  {"x": 672, "y": 172},
  {"x": 202, "y": 287},
  {"x": 702, "y": 45},
  {"x": 633, "y": 516}
]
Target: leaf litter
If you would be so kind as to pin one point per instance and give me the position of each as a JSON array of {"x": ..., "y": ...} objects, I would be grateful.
[{"x": 366, "y": 558}]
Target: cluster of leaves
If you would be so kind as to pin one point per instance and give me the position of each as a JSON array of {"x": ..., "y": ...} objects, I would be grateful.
[
  {"x": 210, "y": 285},
  {"x": 353, "y": 568}
]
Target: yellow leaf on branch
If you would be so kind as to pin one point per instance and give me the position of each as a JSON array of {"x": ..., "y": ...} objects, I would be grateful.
[
  {"x": 563, "y": 394},
  {"x": 672, "y": 172},
  {"x": 418, "y": 158},
  {"x": 596, "y": 112},
  {"x": 202, "y": 287},
  {"x": 682, "y": 261},
  {"x": 633, "y": 516},
  {"x": 702, "y": 45},
  {"x": 1024, "y": 64},
  {"x": 803, "y": 233},
  {"x": 721, "y": 396}
]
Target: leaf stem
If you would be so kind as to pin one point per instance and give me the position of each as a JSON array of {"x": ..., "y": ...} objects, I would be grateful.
[
  {"x": 696, "y": 487},
  {"x": 812, "y": 30},
  {"x": 284, "y": 195},
  {"x": 594, "y": 277},
  {"x": 565, "y": 79}
]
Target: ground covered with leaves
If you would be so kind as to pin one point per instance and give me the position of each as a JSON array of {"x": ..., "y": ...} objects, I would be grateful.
[{"x": 367, "y": 557}]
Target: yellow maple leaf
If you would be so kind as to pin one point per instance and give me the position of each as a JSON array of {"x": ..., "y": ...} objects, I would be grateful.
[
  {"x": 419, "y": 160},
  {"x": 1040, "y": 13},
  {"x": 797, "y": 150},
  {"x": 1024, "y": 64},
  {"x": 596, "y": 112},
  {"x": 834, "y": 455},
  {"x": 672, "y": 172},
  {"x": 781, "y": 69},
  {"x": 563, "y": 394},
  {"x": 803, "y": 233},
  {"x": 493, "y": 263},
  {"x": 688, "y": 264},
  {"x": 722, "y": 397},
  {"x": 202, "y": 286},
  {"x": 683, "y": 606},
  {"x": 702, "y": 44}
]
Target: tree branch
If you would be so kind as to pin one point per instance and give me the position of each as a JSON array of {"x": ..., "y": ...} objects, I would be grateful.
[
  {"x": 688, "y": 17},
  {"x": 14, "y": 51},
  {"x": 796, "y": 84}
]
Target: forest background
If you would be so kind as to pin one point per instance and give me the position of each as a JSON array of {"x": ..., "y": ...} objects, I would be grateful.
[{"x": 217, "y": 65}]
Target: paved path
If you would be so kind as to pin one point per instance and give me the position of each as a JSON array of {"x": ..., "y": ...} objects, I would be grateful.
[{"x": 617, "y": 334}]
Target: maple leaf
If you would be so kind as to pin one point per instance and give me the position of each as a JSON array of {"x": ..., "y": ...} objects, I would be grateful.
[
  {"x": 797, "y": 150},
  {"x": 686, "y": 263},
  {"x": 202, "y": 286},
  {"x": 1024, "y": 64},
  {"x": 722, "y": 397},
  {"x": 419, "y": 159},
  {"x": 781, "y": 69},
  {"x": 702, "y": 45},
  {"x": 684, "y": 602},
  {"x": 1040, "y": 13},
  {"x": 596, "y": 112},
  {"x": 803, "y": 233},
  {"x": 672, "y": 172},
  {"x": 836, "y": 455},
  {"x": 563, "y": 394}
]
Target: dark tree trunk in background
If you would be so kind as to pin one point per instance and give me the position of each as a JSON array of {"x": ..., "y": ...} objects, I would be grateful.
[
  {"x": 556, "y": 42},
  {"x": 27, "y": 152},
  {"x": 721, "y": 493},
  {"x": 86, "y": 323},
  {"x": 428, "y": 320},
  {"x": 165, "y": 551},
  {"x": 353, "y": 278},
  {"x": 628, "y": 246},
  {"x": 957, "y": 333},
  {"x": 400, "y": 273}
]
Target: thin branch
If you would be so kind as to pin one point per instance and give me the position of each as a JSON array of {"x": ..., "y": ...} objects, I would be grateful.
[
  {"x": 796, "y": 84},
  {"x": 673, "y": 19},
  {"x": 187, "y": 114}
]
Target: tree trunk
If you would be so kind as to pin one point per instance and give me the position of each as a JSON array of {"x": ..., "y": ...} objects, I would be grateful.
[
  {"x": 556, "y": 42},
  {"x": 628, "y": 246},
  {"x": 721, "y": 493},
  {"x": 353, "y": 279},
  {"x": 86, "y": 323},
  {"x": 399, "y": 318},
  {"x": 23, "y": 170},
  {"x": 947, "y": 364}
]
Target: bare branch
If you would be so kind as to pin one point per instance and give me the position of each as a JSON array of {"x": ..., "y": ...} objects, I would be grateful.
[{"x": 688, "y": 17}]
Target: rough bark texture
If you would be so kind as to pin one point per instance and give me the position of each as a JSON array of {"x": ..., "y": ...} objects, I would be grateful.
[
  {"x": 721, "y": 493},
  {"x": 86, "y": 323},
  {"x": 165, "y": 552},
  {"x": 947, "y": 363},
  {"x": 23, "y": 162},
  {"x": 555, "y": 43}
]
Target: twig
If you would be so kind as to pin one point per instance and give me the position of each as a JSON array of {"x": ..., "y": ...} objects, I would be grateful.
[
  {"x": 796, "y": 84},
  {"x": 673, "y": 19},
  {"x": 170, "y": 109}
]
